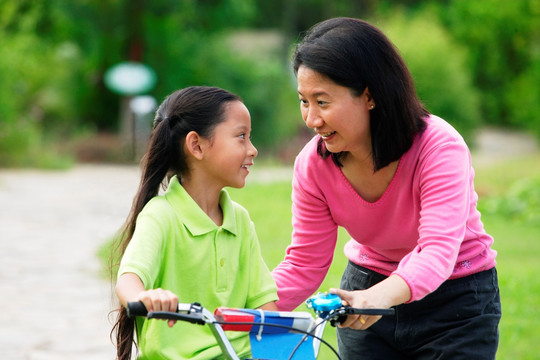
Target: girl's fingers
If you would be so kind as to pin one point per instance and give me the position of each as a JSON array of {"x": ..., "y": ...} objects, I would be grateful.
[
  {"x": 159, "y": 300},
  {"x": 171, "y": 323}
]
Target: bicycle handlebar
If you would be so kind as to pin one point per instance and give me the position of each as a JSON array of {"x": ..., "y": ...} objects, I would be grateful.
[
  {"x": 136, "y": 308},
  {"x": 193, "y": 312},
  {"x": 186, "y": 312}
]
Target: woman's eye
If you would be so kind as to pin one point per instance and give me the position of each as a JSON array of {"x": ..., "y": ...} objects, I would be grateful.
[
  {"x": 321, "y": 102},
  {"x": 303, "y": 102}
]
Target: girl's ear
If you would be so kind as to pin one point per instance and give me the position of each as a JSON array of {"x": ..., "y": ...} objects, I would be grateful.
[{"x": 193, "y": 145}]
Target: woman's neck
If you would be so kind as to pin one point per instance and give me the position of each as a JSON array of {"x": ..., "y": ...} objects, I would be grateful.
[{"x": 370, "y": 185}]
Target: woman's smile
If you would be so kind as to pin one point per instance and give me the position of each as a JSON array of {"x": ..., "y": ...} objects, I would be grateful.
[{"x": 335, "y": 112}]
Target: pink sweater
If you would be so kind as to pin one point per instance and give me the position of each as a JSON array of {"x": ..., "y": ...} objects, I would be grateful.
[{"x": 425, "y": 228}]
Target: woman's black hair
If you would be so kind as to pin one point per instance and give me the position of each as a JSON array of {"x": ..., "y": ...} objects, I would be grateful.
[
  {"x": 357, "y": 55},
  {"x": 196, "y": 108}
]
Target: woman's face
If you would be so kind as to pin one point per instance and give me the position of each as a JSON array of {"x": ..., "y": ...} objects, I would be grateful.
[{"x": 338, "y": 115}]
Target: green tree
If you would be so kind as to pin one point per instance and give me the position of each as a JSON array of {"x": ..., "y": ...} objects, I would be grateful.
[
  {"x": 502, "y": 39},
  {"x": 439, "y": 67},
  {"x": 34, "y": 72}
]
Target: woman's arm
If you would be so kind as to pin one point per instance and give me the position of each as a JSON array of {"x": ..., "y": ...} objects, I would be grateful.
[{"x": 314, "y": 237}]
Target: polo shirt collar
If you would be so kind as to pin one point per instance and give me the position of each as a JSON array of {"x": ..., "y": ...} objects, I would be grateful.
[{"x": 196, "y": 221}]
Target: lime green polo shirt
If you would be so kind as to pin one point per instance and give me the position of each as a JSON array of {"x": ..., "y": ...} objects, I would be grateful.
[{"x": 176, "y": 246}]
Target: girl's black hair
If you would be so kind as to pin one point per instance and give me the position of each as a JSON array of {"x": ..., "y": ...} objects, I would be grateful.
[
  {"x": 196, "y": 108},
  {"x": 357, "y": 55}
]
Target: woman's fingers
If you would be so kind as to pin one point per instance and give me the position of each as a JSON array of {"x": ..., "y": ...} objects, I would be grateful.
[{"x": 356, "y": 299}]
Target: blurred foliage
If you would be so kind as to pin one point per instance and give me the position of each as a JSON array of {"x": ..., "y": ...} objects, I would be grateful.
[
  {"x": 54, "y": 54},
  {"x": 503, "y": 42},
  {"x": 444, "y": 83},
  {"x": 521, "y": 202},
  {"x": 33, "y": 71}
]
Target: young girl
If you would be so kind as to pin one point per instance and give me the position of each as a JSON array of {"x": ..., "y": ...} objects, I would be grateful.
[{"x": 191, "y": 244}]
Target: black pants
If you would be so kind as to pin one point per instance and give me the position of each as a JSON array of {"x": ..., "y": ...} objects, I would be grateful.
[{"x": 457, "y": 321}]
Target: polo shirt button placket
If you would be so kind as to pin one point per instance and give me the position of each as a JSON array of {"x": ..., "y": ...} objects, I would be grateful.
[{"x": 220, "y": 257}]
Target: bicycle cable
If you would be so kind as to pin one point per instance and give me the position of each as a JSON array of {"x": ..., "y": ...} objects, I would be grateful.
[{"x": 325, "y": 319}]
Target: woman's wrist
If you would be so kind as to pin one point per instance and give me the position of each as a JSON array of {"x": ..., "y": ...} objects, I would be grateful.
[{"x": 392, "y": 291}]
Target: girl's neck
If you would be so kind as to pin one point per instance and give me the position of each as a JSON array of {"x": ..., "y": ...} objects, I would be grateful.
[{"x": 206, "y": 196}]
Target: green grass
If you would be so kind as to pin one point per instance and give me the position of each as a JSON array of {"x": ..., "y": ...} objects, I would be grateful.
[
  {"x": 518, "y": 246},
  {"x": 517, "y": 243}
]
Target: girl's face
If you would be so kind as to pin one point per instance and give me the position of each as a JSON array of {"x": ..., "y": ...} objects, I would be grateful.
[
  {"x": 338, "y": 115},
  {"x": 231, "y": 153}
]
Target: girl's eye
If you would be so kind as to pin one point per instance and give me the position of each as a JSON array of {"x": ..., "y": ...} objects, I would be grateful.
[{"x": 242, "y": 136}]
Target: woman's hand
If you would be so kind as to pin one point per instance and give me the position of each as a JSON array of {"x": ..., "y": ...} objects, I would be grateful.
[
  {"x": 390, "y": 292},
  {"x": 356, "y": 299},
  {"x": 160, "y": 300}
]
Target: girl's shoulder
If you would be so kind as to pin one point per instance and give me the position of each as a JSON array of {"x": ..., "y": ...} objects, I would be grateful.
[{"x": 159, "y": 210}]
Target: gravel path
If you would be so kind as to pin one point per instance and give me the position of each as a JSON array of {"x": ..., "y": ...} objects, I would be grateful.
[{"x": 55, "y": 304}]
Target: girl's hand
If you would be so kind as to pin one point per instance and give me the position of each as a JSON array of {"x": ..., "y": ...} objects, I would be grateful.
[{"x": 160, "y": 300}]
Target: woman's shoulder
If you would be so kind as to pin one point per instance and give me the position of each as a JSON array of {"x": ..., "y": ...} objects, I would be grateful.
[
  {"x": 439, "y": 131},
  {"x": 439, "y": 137}
]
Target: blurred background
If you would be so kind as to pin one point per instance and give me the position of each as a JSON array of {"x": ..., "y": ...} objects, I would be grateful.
[
  {"x": 79, "y": 80},
  {"x": 475, "y": 63}
]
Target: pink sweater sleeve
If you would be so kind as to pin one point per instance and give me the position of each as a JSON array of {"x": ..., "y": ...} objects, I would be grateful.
[
  {"x": 311, "y": 251},
  {"x": 444, "y": 202}
]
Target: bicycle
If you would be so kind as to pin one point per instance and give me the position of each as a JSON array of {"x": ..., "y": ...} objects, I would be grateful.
[{"x": 275, "y": 335}]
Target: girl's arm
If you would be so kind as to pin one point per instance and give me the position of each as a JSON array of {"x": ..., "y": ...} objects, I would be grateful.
[
  {"x": 130, "y": 288},
  {"x": 270, "y": 306}
]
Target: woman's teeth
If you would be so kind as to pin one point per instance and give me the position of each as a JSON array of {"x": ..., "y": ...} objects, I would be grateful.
[{"x": 325, "y": 135}]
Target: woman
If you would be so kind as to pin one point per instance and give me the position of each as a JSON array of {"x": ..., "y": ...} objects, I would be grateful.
[{"x": 400, "y": 181}]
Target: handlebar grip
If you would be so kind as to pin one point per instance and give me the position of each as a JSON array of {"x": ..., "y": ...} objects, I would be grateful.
[
  {"x": 372, "y": 311},
  {"x": 194, "y": 318},
  {"x": 367, "y": 311},
  {"x": 136, "y": 308}
]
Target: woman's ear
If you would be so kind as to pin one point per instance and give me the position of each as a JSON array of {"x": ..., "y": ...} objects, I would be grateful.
[
  {"x": 367, "y": 94},
  {"x": 193, "y": 145},
  {"x": 369, "y": 99}
]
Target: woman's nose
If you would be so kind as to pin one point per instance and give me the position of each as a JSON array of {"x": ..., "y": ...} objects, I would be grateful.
[{"x": 312, "y": 118}]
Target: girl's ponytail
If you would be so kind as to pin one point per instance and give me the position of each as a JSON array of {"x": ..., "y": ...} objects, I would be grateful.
[{"x": 155, "y": 167}]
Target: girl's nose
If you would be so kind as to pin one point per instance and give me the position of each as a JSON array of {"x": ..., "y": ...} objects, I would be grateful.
[{"x": 252, "y": 151}]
